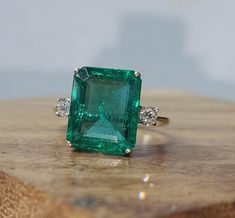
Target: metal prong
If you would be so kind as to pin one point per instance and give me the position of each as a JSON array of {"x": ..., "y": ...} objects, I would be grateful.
[
  {"x": 137, "y": 74},
  {"x": 76, "y": 70},
  {"x": 153, "y": 123},
  {"x": 128, "y": 151},
  {"x": 70, "y": 145},
  {"x": 157, "y": 110},
  {"x": 60, "y": 99},
  {"x": 57, "y": 113}
]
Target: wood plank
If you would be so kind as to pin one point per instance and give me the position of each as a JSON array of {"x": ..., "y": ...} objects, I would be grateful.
[
  {"x": 20, "y": 200},
  {"x": 187, "y": 165}
]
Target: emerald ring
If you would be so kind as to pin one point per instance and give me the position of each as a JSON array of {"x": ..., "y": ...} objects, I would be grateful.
[{"x": 104, "y": 110}]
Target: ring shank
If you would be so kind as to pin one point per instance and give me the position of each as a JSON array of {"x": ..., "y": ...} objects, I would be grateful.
[{"x": 162, "y": 121}]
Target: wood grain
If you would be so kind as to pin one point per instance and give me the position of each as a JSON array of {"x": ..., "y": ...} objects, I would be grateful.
[
  {"x": 20, "y": 200},
  {"x": 188, "y": 165}
]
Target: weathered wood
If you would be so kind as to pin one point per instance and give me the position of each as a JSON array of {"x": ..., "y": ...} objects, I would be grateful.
[
  {"x": 20, "y": 200},
  {"x": 187, "y": 165},
  {"x": 222, "y": 210}
]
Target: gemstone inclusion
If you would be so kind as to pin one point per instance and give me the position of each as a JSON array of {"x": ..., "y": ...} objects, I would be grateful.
[{"x": 104, "y": 110}]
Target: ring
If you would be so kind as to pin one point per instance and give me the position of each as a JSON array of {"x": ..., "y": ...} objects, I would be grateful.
[{"x": 104, "y": 110}]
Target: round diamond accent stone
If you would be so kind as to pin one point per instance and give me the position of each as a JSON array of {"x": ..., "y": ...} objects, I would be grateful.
[
  {"x": 62, "y": 107},
  {"x": 148, "y": 115}
]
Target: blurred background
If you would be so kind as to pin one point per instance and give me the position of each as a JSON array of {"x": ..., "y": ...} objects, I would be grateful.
[{"x": 185, "y": 45}]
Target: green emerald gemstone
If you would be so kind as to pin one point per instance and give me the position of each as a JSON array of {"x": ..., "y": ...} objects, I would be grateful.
[{"x": 104, "y": 110}]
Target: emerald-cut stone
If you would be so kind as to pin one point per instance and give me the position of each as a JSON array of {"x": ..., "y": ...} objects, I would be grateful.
[{"x": 104, "y": 110}]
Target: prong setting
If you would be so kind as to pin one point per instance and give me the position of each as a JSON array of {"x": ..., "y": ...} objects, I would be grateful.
[
  {"x": 69, "y": 143},
  {"x": 137, "y": 74},
  {"x": 76, "y": 70},
  {"x": 148, "y": 115},
  {"x": 62, "y": 107},
  {"x": 128, "y": 151}
]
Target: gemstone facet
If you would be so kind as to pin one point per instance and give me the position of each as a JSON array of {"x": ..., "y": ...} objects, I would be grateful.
[{"x": 104, "y": 110}]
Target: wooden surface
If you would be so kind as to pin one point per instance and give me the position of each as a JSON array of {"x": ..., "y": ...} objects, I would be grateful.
[
  {"x": 179, "y": 170},
  {"x": 21, "y": 200}
]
